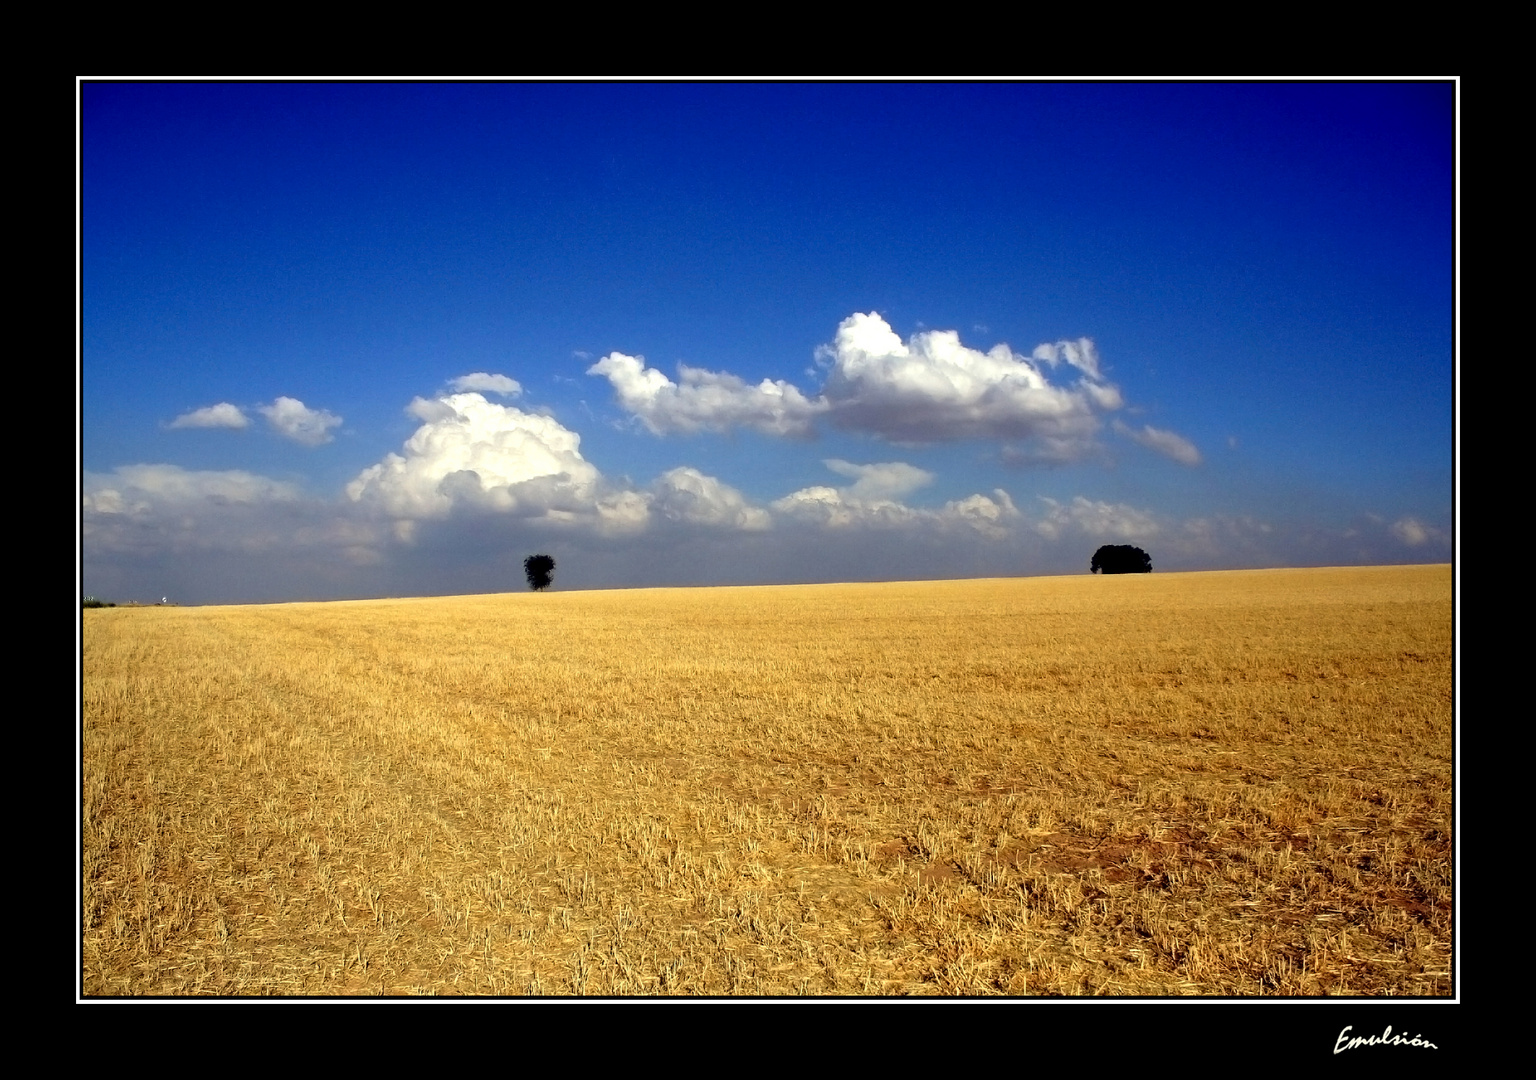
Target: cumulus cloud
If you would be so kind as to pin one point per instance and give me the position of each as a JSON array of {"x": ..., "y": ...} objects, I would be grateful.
[
  {"x": 222, "y": 415},
  {"x": 486, "y": 383},
  {"x": 930, "y": 388},
  {"x": 873, "y": 500},
  {"x": 472, "y": 455},
  {"x": 1167, "y": 443},
  {"x": 705, "y": 400},
  {"x": 835, "y": 509},
  {"x": 687, "y": 495},
  {"x": 293, "y": 419},
  {"x": 472, "y": 452},
  {"x": 1095, "y": 519},
  {"x": 992, "y": 517}
]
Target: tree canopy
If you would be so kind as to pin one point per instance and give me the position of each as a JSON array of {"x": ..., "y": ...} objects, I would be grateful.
[
  {"x": 540, "y": 569},
  {"x": 1121, "y": 559}
]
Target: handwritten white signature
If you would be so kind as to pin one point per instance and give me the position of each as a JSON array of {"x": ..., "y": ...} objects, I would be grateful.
[{"x": 1386, "y": 1038}]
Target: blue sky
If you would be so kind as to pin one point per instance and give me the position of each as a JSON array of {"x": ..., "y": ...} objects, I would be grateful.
[{"x": 369, "y": 339}]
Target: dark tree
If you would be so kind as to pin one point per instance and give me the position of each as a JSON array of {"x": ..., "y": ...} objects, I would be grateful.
[
  {"x": 1121, "y": 559},
  {"x": 539, "y": 568}
]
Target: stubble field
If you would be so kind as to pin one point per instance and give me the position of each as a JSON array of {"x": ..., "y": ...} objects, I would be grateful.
[{"x": 1212, "y": 784}]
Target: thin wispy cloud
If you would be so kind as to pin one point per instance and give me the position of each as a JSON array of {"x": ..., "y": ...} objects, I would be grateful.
[
  {"x": 231, "y": 525},
  {"x": 1170, "y": 444},
  {"x": 144, "y": 509},
  {"x": 134, "y": 488},
  {"x": 1090, "y": 518},
  {"x": 882, "y": 482},
  {"x": 1410, "y": 531},
  {"x": 486, "y": 383}
]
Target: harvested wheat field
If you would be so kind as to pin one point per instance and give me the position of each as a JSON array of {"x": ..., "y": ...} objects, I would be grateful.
[{"x": 1231, "y": 783}]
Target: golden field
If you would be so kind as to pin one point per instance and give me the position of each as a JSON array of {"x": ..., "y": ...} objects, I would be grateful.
[{"x": 1233, "y": 783}]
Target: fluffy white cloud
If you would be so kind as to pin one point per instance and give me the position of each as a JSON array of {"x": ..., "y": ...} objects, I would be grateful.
[
  {"x": 475, "y": 455},
  {"x": 471, "y": 450},
  {"x": 1095, "y": 519},
  {"x": 933, "y": 388},
  {"x": 293, "y": 419},
  {"x": 485, "y": 383},
  {"x": 990, "y": 517},
  {"x": 687, "y": 495},
  {"x": 929, "y": 389},
  {"x": 834, "y": 509},
  {"x": 705, "y": 400},
  {"x": 222, "y": 415},
  {"x": 1168, "y": 443}
]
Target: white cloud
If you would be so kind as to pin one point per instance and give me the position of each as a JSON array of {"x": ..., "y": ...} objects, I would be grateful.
[
  {"x": 486, "y": 383},
  {"x": 470, "y": 449},
  {"x": 832, "y": 508},
  {"x": 137, "y": 489},
  {"x": 293, "y": 419},
  {"x": 430, "y": 411},
  {"x": 1410, "y": 531},
  {"x": 933, "y": 388},
  {"x": 705, "y": 400},
  {"x": 222, "y": 415},
  {"x": 165, "y": 509},
  {"x": 929, "y": 389},
  {"x": 1081, "y": 354},
  {"x": 470, "y": 453},
  {"x": 884, "y": 482},
  {"x": 989, "y": 517},
  {"x": 873, "y": 500},
  {"x": 1167, "y": 443},
  {"x": 1095, "y": 519},
  {"x": 687, "y": 495}
]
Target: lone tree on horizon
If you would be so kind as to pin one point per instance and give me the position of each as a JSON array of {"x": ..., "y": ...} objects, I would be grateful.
[
  {"x": 540, "y": 569},
  {"x": 1121, "y": 559}
]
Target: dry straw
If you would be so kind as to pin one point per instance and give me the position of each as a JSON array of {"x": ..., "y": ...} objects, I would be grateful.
[{"x": 1210, "y": 784}]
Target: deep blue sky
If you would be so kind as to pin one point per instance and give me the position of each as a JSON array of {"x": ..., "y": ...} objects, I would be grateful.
[{"x": 1266, "y": 272}]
